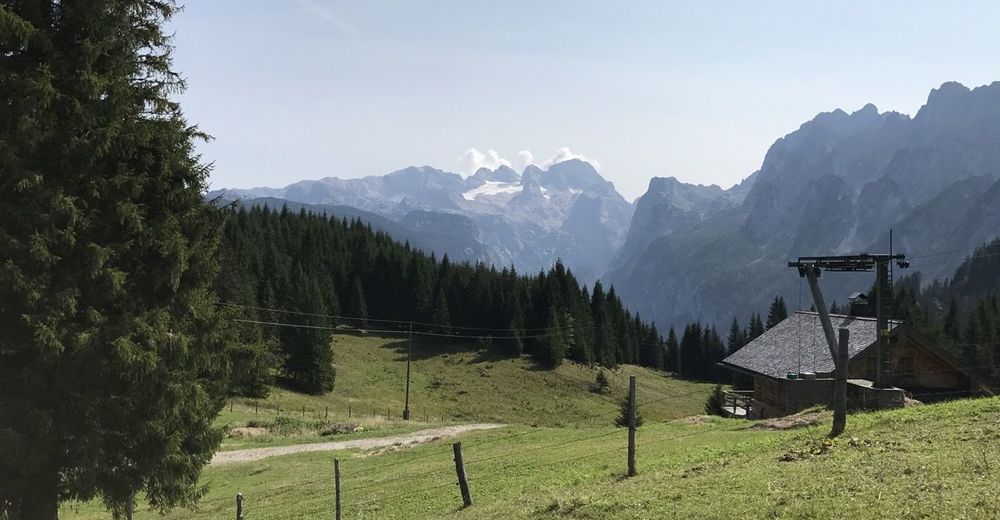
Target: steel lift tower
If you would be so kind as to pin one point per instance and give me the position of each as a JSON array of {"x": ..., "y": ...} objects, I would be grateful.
[{"x": 810, "y": 267}]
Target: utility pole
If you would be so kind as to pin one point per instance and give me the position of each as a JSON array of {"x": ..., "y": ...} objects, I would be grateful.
[{"x": 409, "y": 356}]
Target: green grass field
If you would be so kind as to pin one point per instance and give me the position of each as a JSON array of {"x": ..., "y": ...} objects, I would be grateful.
[
  {"x": 935, "y": 461},
  {"x": 462, "y": 384},
  {"x": 560, "y": 456}
]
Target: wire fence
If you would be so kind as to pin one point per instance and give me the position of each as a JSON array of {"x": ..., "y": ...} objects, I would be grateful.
[{"x": 494, "y": 458}]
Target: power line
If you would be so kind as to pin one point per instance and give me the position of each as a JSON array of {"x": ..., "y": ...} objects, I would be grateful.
[
  {"x": 969, "y": 257},
  {"x": 947, "y": 252},
  {"x": 404, "y": 323},
  {"x": 383, "y": 331},
  {"x": 377, "y": 320}
]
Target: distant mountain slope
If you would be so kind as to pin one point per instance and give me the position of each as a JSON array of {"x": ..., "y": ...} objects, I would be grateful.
[
  {"x": 527, "y": 220},
  {"x": 427, "y": 231},
  {"x": 834, "y": 186}
]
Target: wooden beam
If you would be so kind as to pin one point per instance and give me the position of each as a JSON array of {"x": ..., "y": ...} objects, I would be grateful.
[{"x": 824, "y": 316}]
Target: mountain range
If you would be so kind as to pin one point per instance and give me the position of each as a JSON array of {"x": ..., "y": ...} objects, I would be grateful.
[
  {"x": 836, "y": 185},
  {"x": 527, "y": 220},
  {"x": 685, "y": 252}
]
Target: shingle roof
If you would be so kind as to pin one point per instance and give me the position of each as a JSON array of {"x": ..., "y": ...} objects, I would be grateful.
[{"x": 798, "y": 344}]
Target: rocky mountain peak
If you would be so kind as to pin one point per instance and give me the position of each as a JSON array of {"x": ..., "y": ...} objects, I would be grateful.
[{"x": 501, "y": 174}]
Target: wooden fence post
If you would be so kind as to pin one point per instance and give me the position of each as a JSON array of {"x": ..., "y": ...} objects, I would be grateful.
[
  {"x": 463, "y": 482},
  {"x": 326, "y": 413},
  {"x": 348, "y": 411},
  {"x": 631, "y": 426},
  {"x": 239, "y": 506},
  {"x": 336, "y": 480}
]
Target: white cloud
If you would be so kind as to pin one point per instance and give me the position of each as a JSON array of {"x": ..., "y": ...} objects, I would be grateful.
[
  {"x": 472, "y": 160},
  {"x": 565, "y": 154},
  {"x": 524, "y": 158}
]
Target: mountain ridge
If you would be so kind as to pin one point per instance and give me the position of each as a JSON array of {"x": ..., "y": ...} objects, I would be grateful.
[
  {"x": 836, "y": 185},
  {"x": 528, "y": 220}
]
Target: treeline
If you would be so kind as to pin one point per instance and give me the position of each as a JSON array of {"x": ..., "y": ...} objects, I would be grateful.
[
  {"x": 298, "y": 268},
  {"x": 701, "y": 347}
]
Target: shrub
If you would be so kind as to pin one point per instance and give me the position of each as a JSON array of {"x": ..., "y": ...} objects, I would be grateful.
[
  {"x": 601, "y": 384},
  {"x": 716, "y": 401}
]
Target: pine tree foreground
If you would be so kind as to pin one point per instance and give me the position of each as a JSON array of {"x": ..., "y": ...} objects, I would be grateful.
[{"x": 112, "y": 356}]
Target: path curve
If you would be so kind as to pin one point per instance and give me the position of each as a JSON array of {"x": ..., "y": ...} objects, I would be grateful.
[{"x": 403, "y": 440}]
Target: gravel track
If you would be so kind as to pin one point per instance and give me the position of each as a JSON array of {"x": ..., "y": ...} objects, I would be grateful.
[{"x": 401, "y": 441}]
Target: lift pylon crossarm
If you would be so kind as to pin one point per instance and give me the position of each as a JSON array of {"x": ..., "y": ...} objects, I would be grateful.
[
  {"x": 810, "y": 268},
  {"x": 856, "y": 263}
]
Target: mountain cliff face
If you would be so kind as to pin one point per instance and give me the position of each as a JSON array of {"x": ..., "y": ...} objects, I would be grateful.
[
  {"x": 526, "y": 220},
  {"x": 834, "y": 186}
]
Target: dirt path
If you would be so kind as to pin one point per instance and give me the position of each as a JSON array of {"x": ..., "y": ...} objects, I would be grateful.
[{"x": 404, "y": 440}]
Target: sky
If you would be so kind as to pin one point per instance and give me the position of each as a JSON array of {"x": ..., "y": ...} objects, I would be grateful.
[{"x": 305, "y": 89}]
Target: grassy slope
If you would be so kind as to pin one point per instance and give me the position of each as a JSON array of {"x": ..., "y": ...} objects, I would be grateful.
[
  {"x": 924, "y": 462},
  {"x": 468, "y": 385}
]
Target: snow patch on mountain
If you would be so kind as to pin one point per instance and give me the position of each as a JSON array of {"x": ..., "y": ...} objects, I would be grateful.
[{"x": 492, "y": 188}]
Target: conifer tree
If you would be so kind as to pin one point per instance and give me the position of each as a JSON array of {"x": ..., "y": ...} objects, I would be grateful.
[
  {"x": 777, "y": 313},
  {"x": 358, "y": 308},
  {"x": 441, "y": 316},
  {"x": 756, "y": 327},
  {"x": 308, "y": 348},
  {"x": 112, "y": 354},
  {"x": 735, "y": 341},
  {"x": 622, "y": 420},
  {"x": 673, "y": 352},
  {"x": 552, "y": 346},
  {"x": 716, "y": 401},
  {"x": 601, "y": 384}
]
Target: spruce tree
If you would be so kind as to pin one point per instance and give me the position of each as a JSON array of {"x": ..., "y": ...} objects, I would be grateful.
[
  {"x": 441, "y": 316},
  {"x": 112, "y": 354},
  {"x": 552, "y": 346},
  {"x": 756, "y": 327},
  {"x": 358, "y": 308},
  {"x": 716, "y": 401},
  {"x": 952, "y": 329},
  {"x": 308, "y": 348},
  {"x": 622, "y": 420},
  {"x": 735, "y": 341},
  {"x": 777, "y": 313},
  {"x": 673, "y": 361}
]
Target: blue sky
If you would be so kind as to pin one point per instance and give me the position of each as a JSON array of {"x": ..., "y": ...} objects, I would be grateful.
[{"x": 296, "y": 89}]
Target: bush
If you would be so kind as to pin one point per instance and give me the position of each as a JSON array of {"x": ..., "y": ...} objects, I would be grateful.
[
  {"x": 339, "y": 429},
  {"x": 716, "y": 401}
]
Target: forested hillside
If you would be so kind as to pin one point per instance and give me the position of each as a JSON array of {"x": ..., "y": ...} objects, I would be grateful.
[
  {"x": 963, "y": 312},
  {"x": 287, "y": 278}
]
